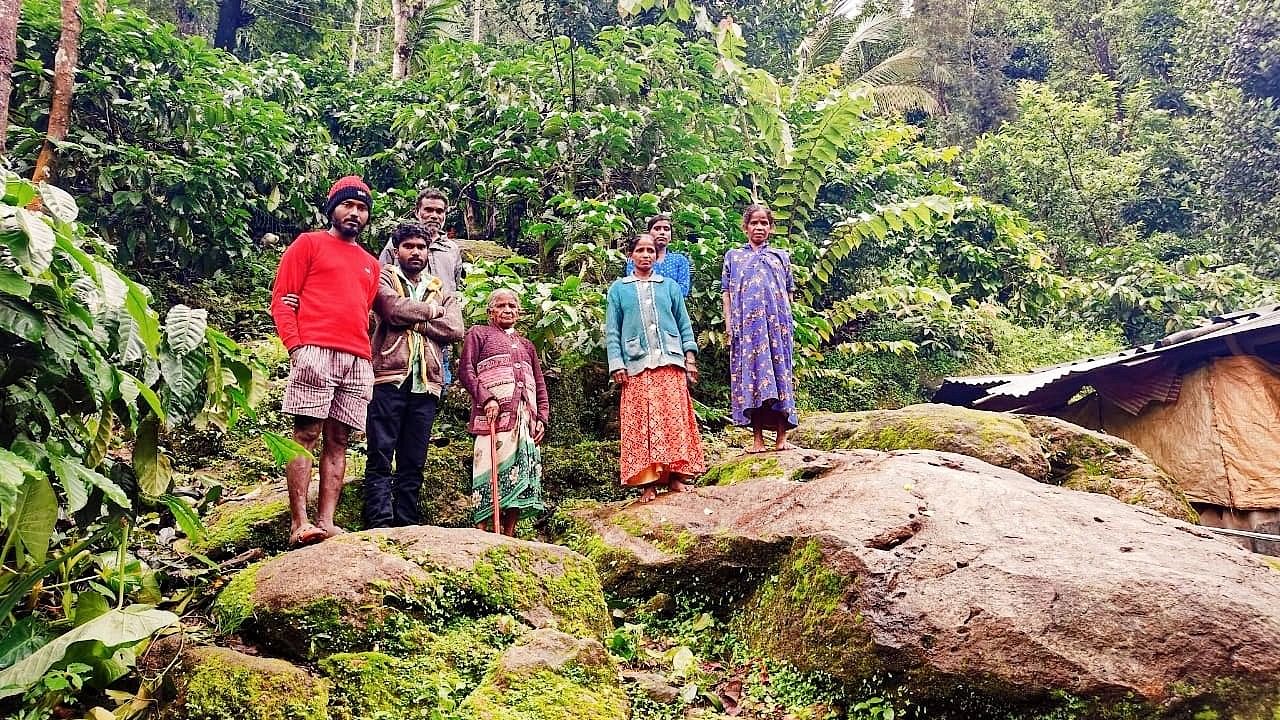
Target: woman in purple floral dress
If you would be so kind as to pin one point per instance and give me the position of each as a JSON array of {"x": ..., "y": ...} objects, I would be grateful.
[{"x": 758, "y": 289}]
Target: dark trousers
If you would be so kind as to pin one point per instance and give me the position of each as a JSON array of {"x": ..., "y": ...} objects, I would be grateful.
[{"x": 399, "y": 425}]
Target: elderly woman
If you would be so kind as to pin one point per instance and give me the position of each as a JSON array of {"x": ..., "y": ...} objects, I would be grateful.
[
  {"x": 758, "y": 288},
  {"x": 653, "y": 356},
  {"x": 500, "y": 369}
]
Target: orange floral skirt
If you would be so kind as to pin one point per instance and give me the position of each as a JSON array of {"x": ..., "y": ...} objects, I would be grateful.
[{"x": 659, "y": 429}]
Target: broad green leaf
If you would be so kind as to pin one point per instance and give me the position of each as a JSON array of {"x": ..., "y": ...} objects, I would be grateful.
[
  {"x": 283, "y": 449},
  {"x": 11, "y": 283},
  {"x": 138, "y": 302},
  {"x": 184, "y": 328},
  {"x": 59, "y": 202},
  {"x": 102, "y": 432},
  {"x": 76, "y": 487},
  {"x": 113, "y": 629},
  {"x": 18, "y": 191},
  {"x": 20, "y": 319},
  {"x": 185, "y": 516},
  {"x": 140, "y": 388},
  {"x": 40, "y": 241},
  {"x": 80, "y": 257},
  {"x": 184, "y": 384},
  {"x": 34, "y": 517},
  {"x": 149, "y": 464},
  {"x": 71, "y": 472},
  {"x": 90, "y": 605},
  {"x": 25, "y": 637},
  {"x": 14, "y": 470}
]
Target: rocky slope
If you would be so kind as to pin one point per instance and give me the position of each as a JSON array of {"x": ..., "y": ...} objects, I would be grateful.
[{"x": 972, "y": 585}]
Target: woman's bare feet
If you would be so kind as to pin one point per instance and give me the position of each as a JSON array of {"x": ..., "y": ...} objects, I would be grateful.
[
  {"x": 676, "y": 484},
  {"x": 650, "y": 493}
]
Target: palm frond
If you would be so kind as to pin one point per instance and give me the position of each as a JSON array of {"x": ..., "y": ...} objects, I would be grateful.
[
  {"x": 849, "y": 9},
  {"x": 898, "y": 99},
  {"x": 908, "y": 67},
  {"x": 815, "y": 45},
  {"x": 877, "y": 28}
]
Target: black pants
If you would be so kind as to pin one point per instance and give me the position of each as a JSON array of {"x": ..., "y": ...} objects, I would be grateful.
[{"x": 399, "y": 424}]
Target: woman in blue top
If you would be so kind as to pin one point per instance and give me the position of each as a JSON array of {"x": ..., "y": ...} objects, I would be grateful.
[
  {"x": 672, "y": 265},
  {"x": 653, "y": 356}
]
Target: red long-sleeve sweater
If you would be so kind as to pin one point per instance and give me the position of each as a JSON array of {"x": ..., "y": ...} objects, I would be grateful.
[{"x": 336, "y": 282}]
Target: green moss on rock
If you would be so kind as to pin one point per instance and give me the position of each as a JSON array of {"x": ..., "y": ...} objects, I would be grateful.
[
  {"x": 550, "y": 676},
  {"x": 547, "y": 696},
  {"x": 237, "y": 526},
  {"x": 747, "y": 467},
  {"x": 576, "y": 534},
  {"x": 802, "y": 616},
  {"x": 997, "y": 438},
  {"x": 234, "y": 604},
  {"x": 221, "y": 684},
  {"x": 520, "y": 579}
]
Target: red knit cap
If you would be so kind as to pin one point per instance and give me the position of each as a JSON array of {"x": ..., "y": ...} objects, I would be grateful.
[{"x": 351, "y": 187}]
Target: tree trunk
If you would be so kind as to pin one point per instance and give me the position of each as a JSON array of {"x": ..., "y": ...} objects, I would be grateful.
[
  {"x": 355, "y": 38},
  {"x": 475, "y": 21},
  {"x": 64, "y": 77},
  {"x": 8, "y": 53},
  {"x": 230, "y": 19},
  {"x": 399, "y": 38}
]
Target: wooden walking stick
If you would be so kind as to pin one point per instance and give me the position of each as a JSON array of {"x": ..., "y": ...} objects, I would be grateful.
[{"x": 493, "y": 477}]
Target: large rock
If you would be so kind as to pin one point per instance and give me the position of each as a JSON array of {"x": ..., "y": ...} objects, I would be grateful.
[
  {"x": 213, "y": 683},
  {"x": 997, "y": 438},
  {"x": 549, "y": 675},
  {"x": 1045, "y": 449},
  {"x": 384, "y": 587},
  {"x": 259, "y": 516},
  {"x": 972, "y": 585},
  {"x": 1082, "y": 459}
]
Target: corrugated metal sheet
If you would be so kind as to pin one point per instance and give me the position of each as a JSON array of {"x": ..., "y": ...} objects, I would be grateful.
[{"x": 1145, "y": 368}]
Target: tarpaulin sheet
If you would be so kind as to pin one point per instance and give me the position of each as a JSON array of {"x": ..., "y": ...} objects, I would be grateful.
[{"x": 1220, "y": 440}]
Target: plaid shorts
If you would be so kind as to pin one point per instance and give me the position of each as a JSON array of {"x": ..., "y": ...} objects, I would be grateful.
[{"x": 325, "y": 383}]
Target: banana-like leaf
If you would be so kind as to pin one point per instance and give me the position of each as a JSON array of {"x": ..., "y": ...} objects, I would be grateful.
[{"x": 113, "y": 629}]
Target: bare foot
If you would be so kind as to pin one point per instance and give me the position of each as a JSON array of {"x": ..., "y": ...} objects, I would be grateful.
[
  {"x": 784, "y": 445},
  {"x": 331, "y": 530},
  {"x": 757, "y": 449},
  {"x": 306, "y": 534},
  {"x": 649, "y": 494},
  {"x": 676, "y": 486}
]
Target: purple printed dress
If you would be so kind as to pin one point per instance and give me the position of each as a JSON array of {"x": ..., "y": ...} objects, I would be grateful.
[{"x": 760, "y": 330}]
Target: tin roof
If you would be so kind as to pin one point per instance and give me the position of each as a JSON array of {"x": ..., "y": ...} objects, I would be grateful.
[{"x": 1132, "y": 377}]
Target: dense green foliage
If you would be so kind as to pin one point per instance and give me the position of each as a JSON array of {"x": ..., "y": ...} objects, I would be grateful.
[
  {"x": 88, "y": 367},
  {"x": 1112, "y": 178}
]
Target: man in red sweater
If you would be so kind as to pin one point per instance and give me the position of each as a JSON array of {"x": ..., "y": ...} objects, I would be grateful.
[{"x": 330, "y": 375}]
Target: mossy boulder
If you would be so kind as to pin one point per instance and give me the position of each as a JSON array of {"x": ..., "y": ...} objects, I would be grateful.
[
  {"x": 436, "y": 674},
  {"x": 967, "y": 585},
  {"x": 550, "y": 675},
  {"x": 997, "y": 438},
  {"x": 1082, "y": 459},
  {"x": 213, "y": 683},
  {"x": 385, "y": 587},
  {"x": 259, "y": 516}
]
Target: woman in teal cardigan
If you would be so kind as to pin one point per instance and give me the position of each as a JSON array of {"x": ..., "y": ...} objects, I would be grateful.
[{"x": 654, "y": 357}]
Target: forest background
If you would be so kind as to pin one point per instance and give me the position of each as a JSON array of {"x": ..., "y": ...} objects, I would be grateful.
[{"x": 966, "y": 186}]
